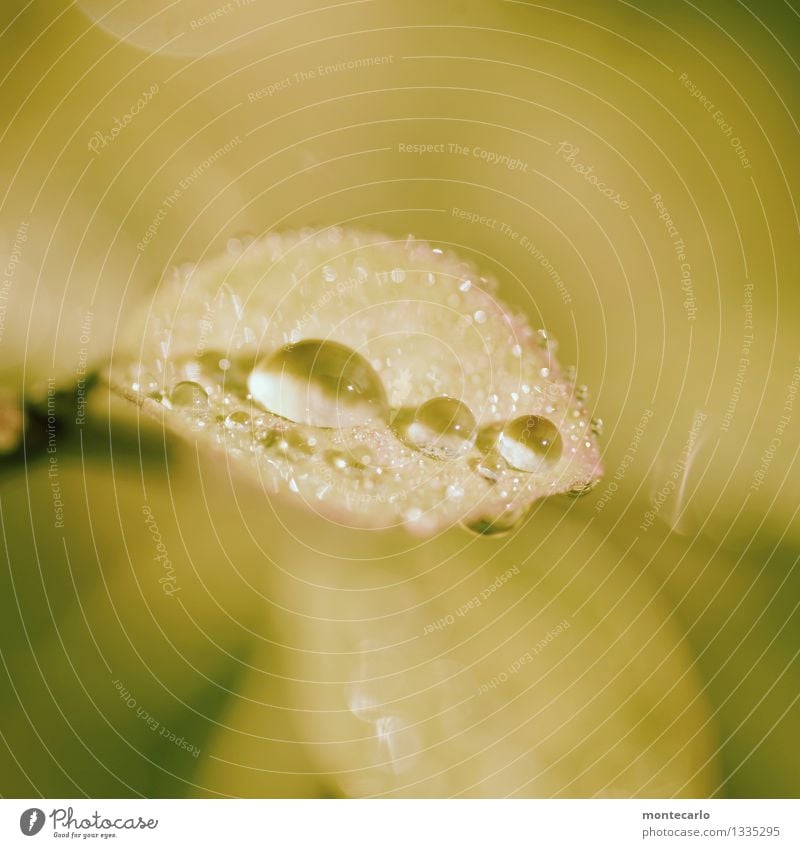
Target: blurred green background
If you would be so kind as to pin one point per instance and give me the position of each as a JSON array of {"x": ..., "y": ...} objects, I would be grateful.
[{"x": 134, "y": 140}]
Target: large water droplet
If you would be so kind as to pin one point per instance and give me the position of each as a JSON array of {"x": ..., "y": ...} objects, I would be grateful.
[
  {"x": 442, "y": 427},
  {"x": 320, "y": 383},
  {"x": 530, "y": 443},
  {"x": 189, "y": 395}
]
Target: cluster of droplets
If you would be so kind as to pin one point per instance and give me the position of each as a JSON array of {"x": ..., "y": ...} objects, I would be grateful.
[{"x": 286, "y": 402}]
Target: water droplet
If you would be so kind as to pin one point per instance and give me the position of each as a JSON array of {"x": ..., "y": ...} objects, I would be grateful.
[
  {"x": 581, "y": 392},
  {"x": 189, "y": 395},
  {"x": 215, "y": 371},
  {"x": 144, "y": 383},
  {"x": 320, "y": 383},
  {"x": 583, "y": 488},
  {"x": 338, "y": 459},
  {"x": 489, "y": 524},
  {"x": 238, "y": 420},
  {"x": 480, "y": 317},
  {"x": 455, "y": 492},
  {"x": 530, "y": 443},
  {"x": 442, "y": 427},
  {"x": 329, "y": 274}
]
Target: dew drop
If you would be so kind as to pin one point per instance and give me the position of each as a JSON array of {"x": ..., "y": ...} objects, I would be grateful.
[
  {"x": 238, "y": 420},
  {"x": 144, "y": 383},
  {"x": 442, "y": 427},
  {"x": 215, "y": 371},
  {"x": 583, "y": 488},
  {"x": 530, "y": 443},
  {"x": 455, "y": 492},
  {"x": 319, "y": 383},
  {"x": 489, "y": 524},
  {"x": 189, "y": 395}
]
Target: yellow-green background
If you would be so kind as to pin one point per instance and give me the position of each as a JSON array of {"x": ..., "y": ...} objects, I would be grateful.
[{"x": 82, "y": 606}]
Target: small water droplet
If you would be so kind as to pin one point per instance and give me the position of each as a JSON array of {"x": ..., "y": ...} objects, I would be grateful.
[
  {"x": 442, "y": 427},
  {"x": 238, "y": 420},
  {"x": 338, "y": 459},
  {"x": 542, "y": 338},
  {"x": 189, "y": 395},
  {"x": 329, "y": 274},
  {"x": 597, "y": 426},
  {"x": 480, "y": 317},
  {"x": 530, "y": 443},
  {"x": 489, "y": 524},
  {"x": 319, "y": 383},
  {"x": 144, "y": 383},
  {"x": 581, "y": 392},
  {"x": 215, "y": 371},
  {"x": 583, "y": 488}
]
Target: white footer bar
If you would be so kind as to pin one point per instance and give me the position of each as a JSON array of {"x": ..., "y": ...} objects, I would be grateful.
[{"x": 410, "y": 824}]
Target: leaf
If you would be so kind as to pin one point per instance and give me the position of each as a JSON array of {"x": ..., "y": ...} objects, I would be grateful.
[{"x": 380, "y": 381}]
